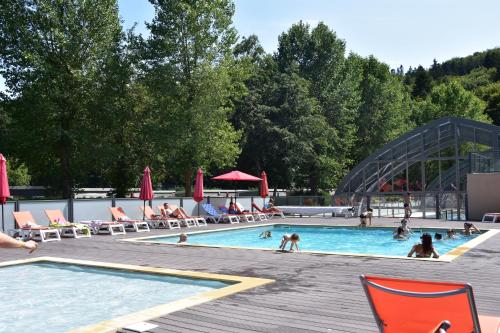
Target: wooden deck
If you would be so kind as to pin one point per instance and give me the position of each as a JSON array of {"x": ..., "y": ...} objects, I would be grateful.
[{"x": 312, "y": 292}]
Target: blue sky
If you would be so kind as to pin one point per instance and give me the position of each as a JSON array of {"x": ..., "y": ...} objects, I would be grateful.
[{"x": 407, "y": 32}]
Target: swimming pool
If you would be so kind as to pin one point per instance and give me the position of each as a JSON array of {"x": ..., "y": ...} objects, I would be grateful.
[
  {"x": 344, "y": 240},
  {"x": 55, "y": 297}
]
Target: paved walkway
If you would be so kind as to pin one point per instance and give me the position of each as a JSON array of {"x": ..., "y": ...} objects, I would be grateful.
[{"x": 312, "y": 292}]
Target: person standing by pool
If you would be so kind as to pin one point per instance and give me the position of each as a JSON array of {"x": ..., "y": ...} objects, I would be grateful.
[
  {"x": 11, "y": 243},
  {"x": 407, "y": 204},
  {"x": 293, "y": 239},
  {"x": 424, "y": 249},
  {"x": 365, "y": 219}
]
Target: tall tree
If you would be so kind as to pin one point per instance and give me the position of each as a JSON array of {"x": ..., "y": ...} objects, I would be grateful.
[
  {"x": 320, "y": 58},
  {"x": 384, "y": 113},
  {"x": 193, "y": 79},
  {"x": 51, "y": 55},
  {"x": 423, "y": 82}
]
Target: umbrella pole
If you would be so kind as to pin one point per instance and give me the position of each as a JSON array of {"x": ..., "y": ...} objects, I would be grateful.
[
  {"x": 198, "y": 209},
  {"x": 144, "y": 211},
  {"x": 3, "y": 226}
]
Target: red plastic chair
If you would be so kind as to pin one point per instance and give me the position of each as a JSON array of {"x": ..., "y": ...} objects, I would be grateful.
[{"x": 412, "y": 306}]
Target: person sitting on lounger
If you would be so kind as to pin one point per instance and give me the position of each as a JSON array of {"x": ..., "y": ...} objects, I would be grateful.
[
  {"x": 293, "y": 239},
  {"x": 270, "y": 207},
  {"x": 265, "y": 234},
  {"x": 167, "y": 211},
  {"x": 424, "y": 249},
  {"x": 469, "y": 229},
  {"x": 399, "y": 234},
  {"x": 11, "y": 243},
  {"x": 451, "y": 234},
  {"x": 233, "y": 209}
]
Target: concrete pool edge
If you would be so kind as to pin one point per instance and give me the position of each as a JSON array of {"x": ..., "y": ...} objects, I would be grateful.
[
  {"x": 241, "y": 283},
  {"x": 447, "y": 257}
]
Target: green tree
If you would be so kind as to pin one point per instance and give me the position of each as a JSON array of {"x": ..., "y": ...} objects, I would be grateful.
[
  {"x": 18, "y": 173},
  {"x": 52, "y": 55},
  {"x": 491, "y": 95},
  {"x": 193, "y": 79},
  {"x": 450, "y": 99},
  {"x": 384, "y": 113},
  {"x": 333, "y": 79},
  {"x": 423, "y": 83}
]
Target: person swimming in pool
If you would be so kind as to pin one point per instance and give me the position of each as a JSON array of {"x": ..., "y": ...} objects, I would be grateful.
[
  {"x": 293, "y": 239},
  {"x": 182, "y": 238},
  {"x": 451, "y": 234},
  {"x": 265, "y": 234},
  {"x": 399, "y": 234},
  {"x": 470, "y": 229},
  {"x": 425, "y": 249},
  {"x": 438, "y": 236},
  {"x": 407, "y": 230}
]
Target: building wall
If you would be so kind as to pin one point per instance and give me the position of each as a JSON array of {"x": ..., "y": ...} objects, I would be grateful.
[{"x": 483, "y": 194}]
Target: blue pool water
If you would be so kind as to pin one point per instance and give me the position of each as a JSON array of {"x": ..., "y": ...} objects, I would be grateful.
[
  {"x": 376, "y": 241},
  {"x": 57, "y": 297}
]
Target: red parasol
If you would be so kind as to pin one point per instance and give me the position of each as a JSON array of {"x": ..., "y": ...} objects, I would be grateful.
[
  {"x": 4, "y": 186},
  {"x": 198, "y": 188},
  {"x": 237, "y": 176},
  {"x": 146, "y": 189},
  {"x": 264, "y": 189}
]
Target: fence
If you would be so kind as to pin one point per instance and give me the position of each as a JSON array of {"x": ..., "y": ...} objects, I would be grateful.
[{"x": 98, "y": 209}]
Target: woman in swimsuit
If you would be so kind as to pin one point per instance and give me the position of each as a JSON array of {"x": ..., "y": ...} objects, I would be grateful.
[{"x": 424, "y": 249}]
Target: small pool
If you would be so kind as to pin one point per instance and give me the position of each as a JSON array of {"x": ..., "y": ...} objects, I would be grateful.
[
  {"x": 352, "y": 240},
  {"x": 52, "y": 297}
]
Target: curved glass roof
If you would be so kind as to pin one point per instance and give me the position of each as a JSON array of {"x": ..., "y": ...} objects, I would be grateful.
[{"x": 432, "y": 158}]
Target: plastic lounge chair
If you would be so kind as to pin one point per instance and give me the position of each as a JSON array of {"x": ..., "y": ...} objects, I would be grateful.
[
  {"x": 199, "y": 220},
  {"x": 217, "y": 217},
  {"x": 120, "y": 217},
  {"x": 247, "y": 217},
  {"x": 413, "y": 306},
  {"x": 105, "y": 227},
  {"x": 68, "y": 229},
  {"x": 158, "y": 221},
  {"x": 258, "y": 216},
  {"x": 28, "y": 228},
  {"x": 269, "y": 213},
  {"x": 186, "y": 221}
]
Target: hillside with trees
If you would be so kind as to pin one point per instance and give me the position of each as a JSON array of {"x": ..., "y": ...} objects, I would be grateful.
[{"x": 89, "y": 104}]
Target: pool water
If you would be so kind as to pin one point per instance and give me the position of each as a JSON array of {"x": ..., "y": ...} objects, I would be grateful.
[
  {"x": 54, "y": 298},
  {"x": 377, "y": 241}
]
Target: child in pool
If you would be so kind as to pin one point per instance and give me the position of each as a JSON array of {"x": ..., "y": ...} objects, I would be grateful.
[
  {"x": 450, "y": 234},
  {"x": 265, "y": 234},
  {"x": 470, "y": 229},
  {"x": 182, "y": 238},
  {"x": 399, "y": 234},
  {"x": 293, "y": 239}
]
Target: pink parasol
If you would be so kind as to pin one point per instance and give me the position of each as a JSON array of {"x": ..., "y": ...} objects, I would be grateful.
[
  {"x": 146, "y": 189},
  {"x": 198, "y": 188},
  {"x": 4, "y": 186},
  {"x": 264, "y": 189},
  {"x": 237, "y": 176}
]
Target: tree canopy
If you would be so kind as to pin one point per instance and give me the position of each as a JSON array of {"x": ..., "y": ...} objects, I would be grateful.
[{"x": 89, "y": 104}]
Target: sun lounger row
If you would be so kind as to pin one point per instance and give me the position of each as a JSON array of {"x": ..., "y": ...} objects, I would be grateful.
[{"x": 27, "y": 227}]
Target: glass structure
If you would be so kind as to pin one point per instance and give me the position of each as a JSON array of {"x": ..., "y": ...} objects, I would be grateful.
[{"x": 431, "y": 162}]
